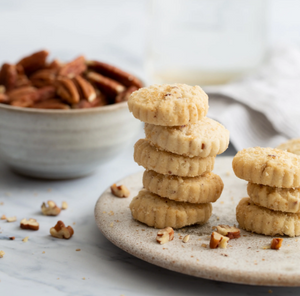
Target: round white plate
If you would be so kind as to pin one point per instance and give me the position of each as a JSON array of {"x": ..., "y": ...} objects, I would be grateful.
[{"x": 244, "y": 261}]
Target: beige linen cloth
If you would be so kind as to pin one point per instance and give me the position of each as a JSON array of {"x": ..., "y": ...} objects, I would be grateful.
[{"x": 263, "y": 108}]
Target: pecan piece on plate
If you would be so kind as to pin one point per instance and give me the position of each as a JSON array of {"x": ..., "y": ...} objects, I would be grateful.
[
  {"x": 34, "y": 62},
  {"x": 115, "y": 73},
  {"x": 67, "y": 90},
  {"x": 8, "y": 76},
  {"x": 74, "y": 68},
  {"x": 43, "y": 77},
  {"x": 86, "y": 90},
  {"x": 105, "y": 84},
  {"x": 123, "y": 96}
]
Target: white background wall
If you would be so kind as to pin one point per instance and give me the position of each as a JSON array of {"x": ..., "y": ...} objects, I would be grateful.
[{"x": 113, "y": 31}]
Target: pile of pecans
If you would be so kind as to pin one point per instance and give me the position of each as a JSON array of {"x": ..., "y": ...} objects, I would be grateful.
[{"x": 35, "y": 83}]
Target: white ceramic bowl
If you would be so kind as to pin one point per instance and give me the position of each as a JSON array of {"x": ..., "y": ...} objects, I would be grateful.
[{"x": 59, "y": 144}]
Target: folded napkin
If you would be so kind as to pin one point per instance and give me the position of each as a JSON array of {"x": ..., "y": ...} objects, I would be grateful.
[{"x": 263, "y": 108}]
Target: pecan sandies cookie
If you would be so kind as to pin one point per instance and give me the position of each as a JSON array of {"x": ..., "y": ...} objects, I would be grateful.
[
  {"x": 169, "y": 105},
  {"x": 292, "y": 146},
  {"x": 273, "y": 198},
  {"x": 205, "y": 138},
  {"x": 168, "y": 163},
  {"x": 267, "y": 166},
  {"x": 201, "y": 189},
  {"x": 264, "y": 221},
  {"x": 159, "y": 212}
]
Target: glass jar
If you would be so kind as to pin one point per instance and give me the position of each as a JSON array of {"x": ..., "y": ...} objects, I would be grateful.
[{"x": 205, "y": 42}]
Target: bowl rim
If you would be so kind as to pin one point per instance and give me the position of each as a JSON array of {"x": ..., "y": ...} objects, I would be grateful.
[{"x": 101, "y": 109}]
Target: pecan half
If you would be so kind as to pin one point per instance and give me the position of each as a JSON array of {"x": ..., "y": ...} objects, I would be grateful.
[
  {"x": 51, "y": 104},
  {"x": 61, "y": 231},
  {"x": 45, "y": 93},
  {"x": 86, "y": 90},
  {"x": 67, "y": 90},
  {"x": 55, "y": 64},
  {"x": 105, "y": 84},
  {"x": 43, "y": 77},
  {"x": 114, "y": 73},
  {"x": 8, "y": 76},
  {"x": 23, "y": 93},
  {"x": 4, "y": 99},
  {"x": 34, "y": 62},
  {"x": 124, "y": 96},
  {"x": 98, "y": 102},
  {"x": 74, "y": 68}
]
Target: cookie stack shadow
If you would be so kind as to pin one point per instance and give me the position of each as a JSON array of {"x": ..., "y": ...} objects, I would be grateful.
[
  {"x": 273, "y": 205},
  {"x": 178, "y": 154}
]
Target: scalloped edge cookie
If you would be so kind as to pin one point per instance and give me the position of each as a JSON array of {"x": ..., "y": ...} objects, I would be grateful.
[
  {"x": 292, "y": 146},
  {"x": 159, "y": 212},
  {"x": 169, "y": 105},
  {"x": 168, "y": 163},
  {"x": 264, "y": 221},
  {"x": 267, "y": 166},
  {"x": 277, "y": 199},
  {"x": 205, "y": 138},
  {"x": 203, "y": 189}
]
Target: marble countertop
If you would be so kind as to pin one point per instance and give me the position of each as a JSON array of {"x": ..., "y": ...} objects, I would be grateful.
[{"x": 48, "y": 266}]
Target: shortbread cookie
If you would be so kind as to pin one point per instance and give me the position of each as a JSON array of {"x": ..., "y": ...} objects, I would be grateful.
[
  {"x": 277, "y": 199},
  {"x": 292, "y": 146},
  {"x": 264, "y": 221},
  {"x": 267, "y": 166},
  {"x": 169, "y": 105},
  {"x": 168, "y": 163},
  {"x": 202, "y": 189},
  {"x": 204, "y": 138},
  {"x": 160, "y": 212}
]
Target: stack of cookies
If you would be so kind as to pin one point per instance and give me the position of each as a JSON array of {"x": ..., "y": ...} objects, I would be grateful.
[
  {"x": 178, "y": 154},
  {"x": 273, "y": 205}
]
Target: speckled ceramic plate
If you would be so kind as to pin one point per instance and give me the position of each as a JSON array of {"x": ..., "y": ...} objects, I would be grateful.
[{"x": 244, "y": 261}]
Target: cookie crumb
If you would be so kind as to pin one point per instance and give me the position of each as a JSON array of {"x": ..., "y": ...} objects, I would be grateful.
[
  {"x": 111, "y": 224},
  {"x": 83, "y": 278},
  {"x": 3, "y": 217},
  {"x": 270, "y": 291},
  {"x": 227, "y": 173},
  {"x": 2, "y": 253},
  {"x": 43, "y": 252},
  {"x": 204, "y": 245},
  {"x": 77, "y": 250}
]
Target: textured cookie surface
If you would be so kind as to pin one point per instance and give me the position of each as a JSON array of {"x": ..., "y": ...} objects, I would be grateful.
[
  {"x": 264, "y": 221},
  {"x": 202, "y": 189},
  {"x": 268, "y": 166},
  {"x": 168, "y": 163},
  {"x": 169, "y": 105},
  {"x": 292, "y": 146},
  {"x": 159, "y": 212},
  {"x": 204, "y": 138},
  {"x": 277, "y": 199}
]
